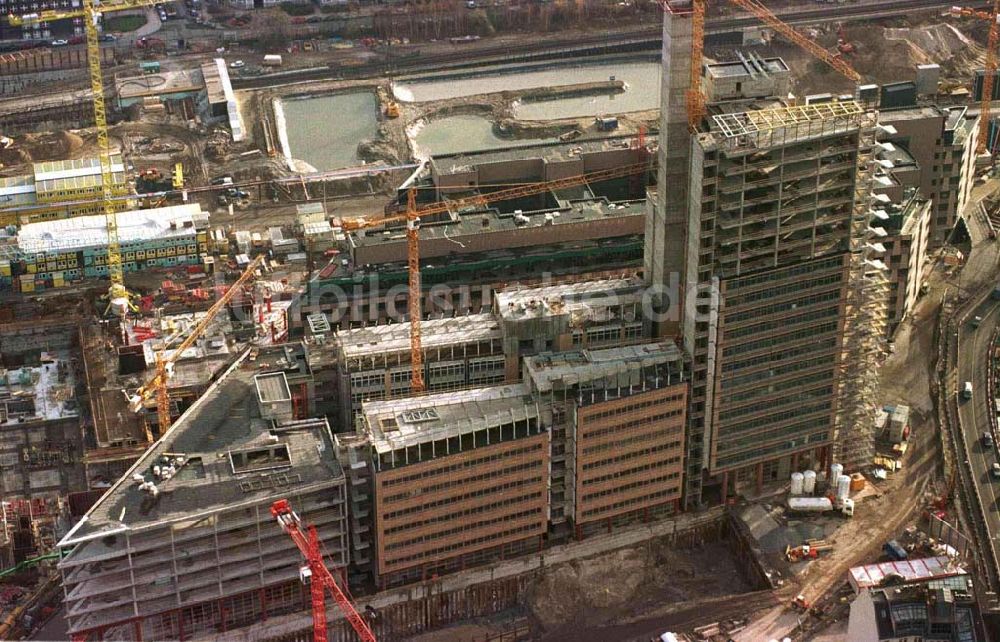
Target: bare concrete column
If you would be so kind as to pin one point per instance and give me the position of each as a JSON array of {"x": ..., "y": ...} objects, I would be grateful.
[{"x": 667, "y": 212}]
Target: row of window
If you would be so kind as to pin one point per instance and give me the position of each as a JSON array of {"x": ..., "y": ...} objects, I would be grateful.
[
  {"x": 777, "y": 417},
  {"x": 781, "y": 355},
  {"x": 463, "y": 480},
  {"x": 783, "y": 322},
  {"x": 627, "y": 487},
  {"x": 782, "y": 307},
  {"x": 787, "y": 391},
  {"x": 628, "y": 472},
  {"x": 810, "y": 267},
  {"x": 416, "y": 557},
  {"x": 774, "y": 449},
  {"x": 798, "y": 335},
  {"x": 454, "y": 444},
  {"x": 621, "y": 427},
  {"x": 467, "y": 526},
  {"x": 783, "y": 290},
  {"x": 632, "y": 455},
  {"x": 645, "y": 500},
  {"x": 447, "y": 517},
  {"x": 637, "y": 405},
  {"x": 435, "y": 370},
  {"x": 461, "y": 498},
  {"x": 657, "y": 433},
  {"x": 787, "y": 433},
  {"x": 784, "y": 369}
]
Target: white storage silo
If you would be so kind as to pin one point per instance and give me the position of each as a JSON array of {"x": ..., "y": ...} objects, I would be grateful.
[
  {"x": 809, "y": 482},
  {"x": 836, "y": 470},
  {"x": 797, "y": 483},
  {"x": 843, "y": 488}
]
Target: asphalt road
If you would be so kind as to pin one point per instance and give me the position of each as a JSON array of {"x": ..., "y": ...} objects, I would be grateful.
[
  {"x": 975, "y": 347},
  {"x": 974, "y": 350}
]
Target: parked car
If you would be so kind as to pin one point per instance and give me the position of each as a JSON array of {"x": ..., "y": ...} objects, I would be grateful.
[
  {"x": 106, "y": 37},
  {"x": 995, "y": 470},
  {"x": 237, "y": 64},
  {"x": 987, "y": 440},
  {"x": 60, "y": 43},
  {"x": 977, "y": 321}
]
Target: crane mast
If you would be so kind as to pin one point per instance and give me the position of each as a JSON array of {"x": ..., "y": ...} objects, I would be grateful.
[
  {"x": 416, "y": 291},
  {"x": 90, "y": 12},
  {"x": 318, "y": 574}
]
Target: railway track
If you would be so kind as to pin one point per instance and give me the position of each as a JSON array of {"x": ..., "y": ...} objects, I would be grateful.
[{"x": 644, "y": 38}]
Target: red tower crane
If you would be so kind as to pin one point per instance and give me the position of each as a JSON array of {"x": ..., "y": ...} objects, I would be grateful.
[{"x": 318, "y": 574}]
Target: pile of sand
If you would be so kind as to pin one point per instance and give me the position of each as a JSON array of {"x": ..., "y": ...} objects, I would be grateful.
[{"x": 933, "y": 43}]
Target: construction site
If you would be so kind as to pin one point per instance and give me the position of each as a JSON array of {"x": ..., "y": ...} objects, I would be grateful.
[{"x": 548, "y": 321}]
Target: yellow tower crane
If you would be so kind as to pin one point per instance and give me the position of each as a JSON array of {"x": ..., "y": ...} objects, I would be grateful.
[{"x": 90, "y": 12}]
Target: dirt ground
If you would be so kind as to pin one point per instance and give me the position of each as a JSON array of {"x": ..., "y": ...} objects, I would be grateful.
[
  {"x": 632, "y": 584},
  {"x": 884, "y": 51}
]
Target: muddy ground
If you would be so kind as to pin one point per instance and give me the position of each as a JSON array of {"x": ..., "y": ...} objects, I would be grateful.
[{"x": 632, "y": 583}]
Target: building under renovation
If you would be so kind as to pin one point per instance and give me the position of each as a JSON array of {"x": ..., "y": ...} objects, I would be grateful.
[{"x": 184, "y": 544}]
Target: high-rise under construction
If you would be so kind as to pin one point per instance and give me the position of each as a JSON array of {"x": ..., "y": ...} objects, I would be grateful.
[{"x": 759, "y": 223}]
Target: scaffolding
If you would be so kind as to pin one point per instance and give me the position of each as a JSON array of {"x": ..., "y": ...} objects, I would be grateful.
[
  {"x": 865, "y": 318},
  {"x": 773, "y": 127}
]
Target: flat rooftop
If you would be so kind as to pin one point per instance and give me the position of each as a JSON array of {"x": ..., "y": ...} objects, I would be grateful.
[
  {"x": 73, "y": 234},
  {"x": 214, "y": 83},
  {"x": 225, "y": 420},
  {"x": 586, "y": 365},
  {"x": 915, "y": 570},
  {"x": 160, "y": 84},
  {"x": 912, "y": 113},
  {"x": 44, "y": 392},
  {"x": 568, "y": 298},
  {"x": 399, "y": 423},
  {"x": 82, "y": 173},
  {"x": 749, "y": 67},
  {"x": 574, "y": 207},
  {"x": 395, "y": 337},
  {"x": 272, "y": 387}
]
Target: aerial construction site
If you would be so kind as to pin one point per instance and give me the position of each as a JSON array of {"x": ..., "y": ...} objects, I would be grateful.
[{"x": 499, "y": 321}]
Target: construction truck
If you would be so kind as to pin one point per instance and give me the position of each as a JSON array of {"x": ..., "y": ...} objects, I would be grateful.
[
  {"x": 819, "y": 505},
  {"x": 810, "y": 550}
]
